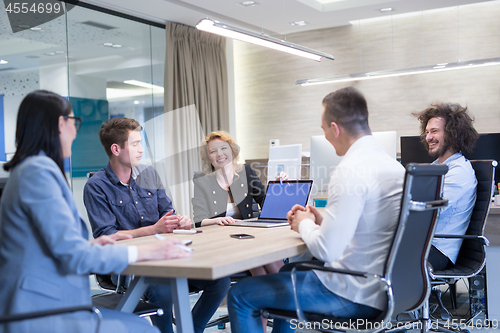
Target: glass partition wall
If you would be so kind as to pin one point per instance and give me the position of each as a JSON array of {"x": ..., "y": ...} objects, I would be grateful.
[{"x": 106, "y": 65}]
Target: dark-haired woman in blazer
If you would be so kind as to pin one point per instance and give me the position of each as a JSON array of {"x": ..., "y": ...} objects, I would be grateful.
[{"x": 45, "y": 255}]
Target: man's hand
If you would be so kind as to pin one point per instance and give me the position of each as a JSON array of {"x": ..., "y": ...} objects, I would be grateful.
[
  {"x": 110, "y": 239},
  {"x": 184, "y": 222},
  {"x": 167, "y": 223},
  {"x": 317, "y": 215},
  {"x": 299, "y": 215},
  {"x": 294, "y": 209}
]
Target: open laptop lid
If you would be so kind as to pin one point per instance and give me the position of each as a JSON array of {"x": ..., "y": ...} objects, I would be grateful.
[{"x": 282, "y": 196}]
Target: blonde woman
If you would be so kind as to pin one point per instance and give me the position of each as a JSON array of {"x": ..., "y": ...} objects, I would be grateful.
[{"x": 223, "y": 193}]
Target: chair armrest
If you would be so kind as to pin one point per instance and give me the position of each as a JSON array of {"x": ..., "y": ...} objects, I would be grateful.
[
  {"x": 427, "y": 205},
  {"x": 307, "y": 267},
  {"x": 44, "y": 313},
  {"x": 481, "y": 238}
]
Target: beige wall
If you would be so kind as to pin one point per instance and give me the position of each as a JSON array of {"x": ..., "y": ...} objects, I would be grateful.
[{"x": 270, "y": 106}]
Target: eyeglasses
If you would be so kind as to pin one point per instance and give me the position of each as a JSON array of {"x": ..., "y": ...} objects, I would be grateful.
[{"x": 78, "y": 121}]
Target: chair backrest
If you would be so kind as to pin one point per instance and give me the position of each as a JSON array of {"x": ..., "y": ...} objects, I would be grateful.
[
  {"x": 104, "y": 282},
  {"x": 406, "y": 266},
  {"x": 472, "y": 255}
]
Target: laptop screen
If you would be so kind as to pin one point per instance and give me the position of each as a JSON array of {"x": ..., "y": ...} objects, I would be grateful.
[{"x": 280, "y": 198}]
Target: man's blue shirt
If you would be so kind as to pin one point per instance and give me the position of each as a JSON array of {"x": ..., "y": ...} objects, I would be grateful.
[
  {"x": 113, "y": 206},
  {"x": 460, "y": 189}
]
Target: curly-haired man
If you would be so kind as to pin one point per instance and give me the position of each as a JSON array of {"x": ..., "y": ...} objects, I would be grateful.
[{"x": 448, "y": 134}]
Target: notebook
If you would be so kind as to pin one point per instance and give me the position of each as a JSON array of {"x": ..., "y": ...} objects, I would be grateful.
[{"x": 280, "y": 198}]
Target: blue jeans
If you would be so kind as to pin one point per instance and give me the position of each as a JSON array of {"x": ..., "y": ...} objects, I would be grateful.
[
  {"x": 213, "y": 293},
  {"x": 249, "y": 296}
]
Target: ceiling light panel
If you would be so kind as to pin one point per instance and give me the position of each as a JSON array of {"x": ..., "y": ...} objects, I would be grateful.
[
  {"x": 401, "y": 72},
  {"x": 299, "y": 23},
  {"x": 248, "y": 3},
  {"x": 99, "y": 25},
  {"x": 248, "y": 36},
  {"x": 333, "y": 5}
]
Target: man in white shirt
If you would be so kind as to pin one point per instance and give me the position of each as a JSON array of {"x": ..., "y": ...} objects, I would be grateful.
[
  {"x": 355, "y": 232},
  {"x": 447, "y": 133}
]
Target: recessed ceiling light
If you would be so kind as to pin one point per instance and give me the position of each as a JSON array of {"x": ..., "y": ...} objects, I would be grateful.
[
  {"x": 387, "y": 9},
  {"x": 299, "y": 23},
  {"x": 325, "y": 2},
  {"x": 248, "y": 3},
  {"x": 108, "y": 44},
  {"x": 59, "y": 52},
  {"x": 117, "y": 45},
  {"x": 3, "y": 62},
  {"x": 50, "y": 53},
  {"x": 36, "y": 29},
  {"x": 136, "y": 102}
]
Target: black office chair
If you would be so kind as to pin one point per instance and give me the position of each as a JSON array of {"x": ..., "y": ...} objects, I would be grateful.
[
  {"x": 114, "y": 294},
  {"x": 5, "y": 319},
  {"x": 405, "y": 279},
  {"x": 472, "y": 256}
]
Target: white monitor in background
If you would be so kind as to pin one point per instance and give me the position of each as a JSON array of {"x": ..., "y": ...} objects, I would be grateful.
[
  {"x": 323, "y": 160},
  {"x": 3, "y": 173},
  {"x": 388, "y": 141},
  {"x": 284, "y": 158}
]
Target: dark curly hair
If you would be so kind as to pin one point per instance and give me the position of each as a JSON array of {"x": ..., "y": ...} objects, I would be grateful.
[{"x": 460, "y": 135}]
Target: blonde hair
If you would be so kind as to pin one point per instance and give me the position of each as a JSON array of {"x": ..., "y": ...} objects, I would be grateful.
[{"x": 204, "y": 154}]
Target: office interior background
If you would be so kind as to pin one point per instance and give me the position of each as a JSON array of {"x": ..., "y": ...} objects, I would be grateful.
[{"x": 89, "y": 53}]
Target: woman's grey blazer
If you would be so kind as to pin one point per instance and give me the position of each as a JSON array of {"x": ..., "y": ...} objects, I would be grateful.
[
  {"x": 45, "y": 255},
  {"x": 210, "y": 200}
]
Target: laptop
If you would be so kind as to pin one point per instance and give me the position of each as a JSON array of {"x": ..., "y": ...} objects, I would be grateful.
[{"x": 280, "y": 198}]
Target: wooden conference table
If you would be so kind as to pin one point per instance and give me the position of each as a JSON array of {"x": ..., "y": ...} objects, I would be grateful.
[{"x": 215, "y": 255}]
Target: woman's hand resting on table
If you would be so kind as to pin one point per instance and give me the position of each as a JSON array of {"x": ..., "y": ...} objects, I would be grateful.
[
  {"x": 155, "y": 250},
  {"x": 225, "y": 220},
  {"x": 161, "y": 250}
]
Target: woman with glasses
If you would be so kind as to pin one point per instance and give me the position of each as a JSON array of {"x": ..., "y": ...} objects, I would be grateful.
[{"x": 45, "y": 254}]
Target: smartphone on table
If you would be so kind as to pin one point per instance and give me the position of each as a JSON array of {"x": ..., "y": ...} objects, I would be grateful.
[{"x": 242, "y": 236}]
